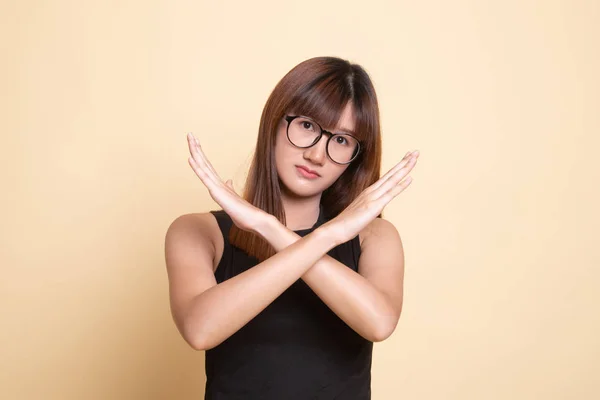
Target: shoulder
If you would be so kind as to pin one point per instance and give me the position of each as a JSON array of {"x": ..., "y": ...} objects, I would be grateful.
[
  {"x": 378, "y": 229},
  {"x": 194, "y": 224},
  {"x": 191, "y": 230}
]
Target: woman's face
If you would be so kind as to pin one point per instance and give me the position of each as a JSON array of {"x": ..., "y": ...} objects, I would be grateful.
[{"x": 289, "y": 159}]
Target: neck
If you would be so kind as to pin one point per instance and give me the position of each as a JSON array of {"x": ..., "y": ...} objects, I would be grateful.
[{"x": 301, "y": 213}]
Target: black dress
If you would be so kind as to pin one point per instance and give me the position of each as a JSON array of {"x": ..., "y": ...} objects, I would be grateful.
[{"x": 296, "y": 348}]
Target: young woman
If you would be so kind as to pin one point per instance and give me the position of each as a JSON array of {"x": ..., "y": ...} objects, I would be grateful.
[{"x": 287, "y": 287}]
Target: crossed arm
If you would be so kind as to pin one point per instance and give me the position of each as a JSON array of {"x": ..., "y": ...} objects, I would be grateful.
[
  {"x": 207, "y": 313},
  {"x": 370, "y": 301}
]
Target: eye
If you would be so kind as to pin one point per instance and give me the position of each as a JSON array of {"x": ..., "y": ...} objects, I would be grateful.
[
  {"x": 341, "y": 140},
  {"x": 307, "y": 125}
]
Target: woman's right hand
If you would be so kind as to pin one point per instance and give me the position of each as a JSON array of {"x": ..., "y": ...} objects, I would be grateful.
[
  {"x": 246, "y": 216},
  {"x": 370, "y": 203}
]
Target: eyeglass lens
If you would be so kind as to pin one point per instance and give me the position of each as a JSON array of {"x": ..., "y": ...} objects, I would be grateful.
[{"x": 303, "y": 132}]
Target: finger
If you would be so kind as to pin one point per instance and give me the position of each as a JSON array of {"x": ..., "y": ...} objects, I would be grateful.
[
  {"x": 393, "y": 192},
  {"x": 407, "y": 157},
  {"x": 209, "y": 165},
  {"x": 201, "y": 159},
  {"x": 393, "y": 172},
  {"x": 229, "y": 183},
  {"x": 197, "y": 153},
  {"x": 196, "y": 160},
  {"x": 387, "y": 175},
  {"x": 201, "y": 173},
  {"x": 394, "y": 179}
]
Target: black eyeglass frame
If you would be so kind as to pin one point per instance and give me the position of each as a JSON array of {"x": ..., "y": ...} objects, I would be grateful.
[{"x": 290, "y": 118}]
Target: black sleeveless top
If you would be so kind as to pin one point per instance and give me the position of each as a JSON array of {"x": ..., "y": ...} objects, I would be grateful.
[{"x": 296, "y": 348}]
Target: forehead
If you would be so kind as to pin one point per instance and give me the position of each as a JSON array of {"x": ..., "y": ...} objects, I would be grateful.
[{"x": 346, "y": 123}]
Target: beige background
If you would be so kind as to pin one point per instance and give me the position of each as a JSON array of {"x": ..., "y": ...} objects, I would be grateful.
[{"x": 500, "y": 225}]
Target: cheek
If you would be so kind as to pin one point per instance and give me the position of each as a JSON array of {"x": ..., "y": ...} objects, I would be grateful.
[
  {"x": 335, "y": 172},
  {"x": 283, "y": 151},
  {"x": 281, "y": 148},
  {"x": 281, "y": 141},
  {"x": 281, "y": 135}
]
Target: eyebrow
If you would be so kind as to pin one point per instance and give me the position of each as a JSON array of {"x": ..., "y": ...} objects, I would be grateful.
[
  {"x": 335, "y": 131},
  {"x": 346, "y": 130}
]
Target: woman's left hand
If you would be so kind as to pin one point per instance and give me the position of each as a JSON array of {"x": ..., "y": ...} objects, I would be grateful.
[{"x": 246, "y": 216}]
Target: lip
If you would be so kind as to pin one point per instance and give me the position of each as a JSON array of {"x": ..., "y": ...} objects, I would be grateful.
[{"x": 306, "y": 172}]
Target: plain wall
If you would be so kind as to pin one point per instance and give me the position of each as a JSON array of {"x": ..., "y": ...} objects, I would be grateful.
[{"x": 500, "y": 225}]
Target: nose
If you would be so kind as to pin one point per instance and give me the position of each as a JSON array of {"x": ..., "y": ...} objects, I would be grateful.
[{"x": 317, "y": 153}]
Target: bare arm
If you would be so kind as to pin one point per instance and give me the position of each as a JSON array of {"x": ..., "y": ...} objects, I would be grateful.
[
  {"x": 206, "y": 313},
  {"x": 370, "y": 301}
]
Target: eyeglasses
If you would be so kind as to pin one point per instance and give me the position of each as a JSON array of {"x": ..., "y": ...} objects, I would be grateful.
[{"x": 303, "y": 132}]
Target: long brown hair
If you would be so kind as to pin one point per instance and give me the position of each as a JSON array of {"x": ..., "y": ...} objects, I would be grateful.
[{"x": 319, "y": 88}]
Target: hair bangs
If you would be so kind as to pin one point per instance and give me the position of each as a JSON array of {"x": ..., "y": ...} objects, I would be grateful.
[
  {"x": 366, "y": 126},
  {"x": 323, "y": 100},
  {"x": 319, "y": 88}
]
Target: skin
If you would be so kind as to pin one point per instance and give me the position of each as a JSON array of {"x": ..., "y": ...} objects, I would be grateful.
[
  {"x": 369, "y": 301},
  {"x": 301, "y": 196}
]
